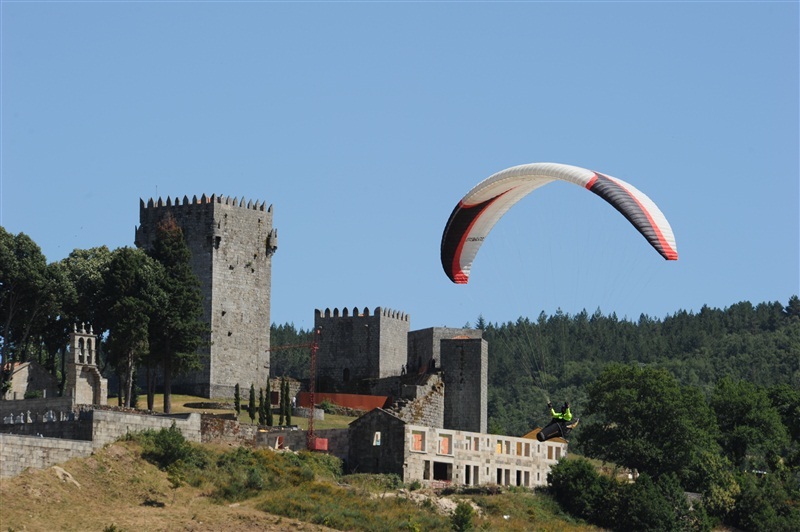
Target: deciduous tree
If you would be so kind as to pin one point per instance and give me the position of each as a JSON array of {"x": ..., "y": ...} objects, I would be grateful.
[
  {"x": 643, "y": 420},
  {"x": 132, "y": 293}
]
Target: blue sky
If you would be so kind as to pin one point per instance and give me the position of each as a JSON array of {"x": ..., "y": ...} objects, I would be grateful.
[{"x": 364, "y": 123}]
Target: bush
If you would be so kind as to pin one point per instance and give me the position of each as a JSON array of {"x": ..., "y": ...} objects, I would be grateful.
[
  {"x": 461, "y": 520},
  {"x": 166, "y": 447},
  {"x": 327, "y": 407}
]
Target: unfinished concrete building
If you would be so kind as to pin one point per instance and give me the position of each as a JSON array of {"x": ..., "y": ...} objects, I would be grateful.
[{"x": 381, "y": 442}]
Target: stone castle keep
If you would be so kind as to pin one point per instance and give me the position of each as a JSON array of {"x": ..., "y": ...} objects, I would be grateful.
[{"x": 232, "y": 243}]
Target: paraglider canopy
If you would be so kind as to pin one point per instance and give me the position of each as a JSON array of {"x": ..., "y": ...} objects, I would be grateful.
[{"x": 479, "y": 210}]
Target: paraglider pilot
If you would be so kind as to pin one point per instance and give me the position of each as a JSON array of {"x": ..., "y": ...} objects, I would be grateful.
[{"x": 560, "y": 425}]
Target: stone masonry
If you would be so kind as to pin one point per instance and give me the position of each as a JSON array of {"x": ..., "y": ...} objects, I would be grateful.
[
  {"x": 465, "y": 364},
  {"x": 359, "y": 345},
  {"x": 232, "y": 242},
  {"x": 40, "y": 444},
  {"x": 424, "y": 345}
]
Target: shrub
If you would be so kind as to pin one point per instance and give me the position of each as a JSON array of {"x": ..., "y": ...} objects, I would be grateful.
[
  {"x": 166, "y": 447},
  {"x": 461, "y": 520},
  {"x": 327, "y": 407}
]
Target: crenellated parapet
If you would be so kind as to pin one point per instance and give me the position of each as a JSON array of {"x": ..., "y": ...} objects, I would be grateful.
[
  {"x": 204, "y": 200},
  {"x": 365, "y": 313}
]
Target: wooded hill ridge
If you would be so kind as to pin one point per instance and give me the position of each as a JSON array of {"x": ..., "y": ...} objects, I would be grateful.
[{"x": 555, "y": 357}]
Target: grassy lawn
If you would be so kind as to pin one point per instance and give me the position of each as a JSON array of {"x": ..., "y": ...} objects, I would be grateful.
[{"x": 188, "y": 403}]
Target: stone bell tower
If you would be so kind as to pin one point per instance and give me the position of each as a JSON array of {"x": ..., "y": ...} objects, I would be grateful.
[{"x": 84, "y": 382}]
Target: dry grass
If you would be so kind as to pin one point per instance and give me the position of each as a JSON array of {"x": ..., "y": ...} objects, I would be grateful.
[
  {"x": 188, "y": 403},
  {"x": 116, "y": 488}
]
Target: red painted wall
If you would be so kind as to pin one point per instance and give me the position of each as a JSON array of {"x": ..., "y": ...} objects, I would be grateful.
[{"x": 348, "y": 400}]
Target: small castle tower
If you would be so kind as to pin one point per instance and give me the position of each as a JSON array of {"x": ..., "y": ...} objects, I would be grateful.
[
  {"x": 84, "y": 381},
  {"x": 463, "y": 357},
  {"x": 465, "y": 362},
  {"x": 359, "y": 345},
  {"x": 232, "y": 242}
]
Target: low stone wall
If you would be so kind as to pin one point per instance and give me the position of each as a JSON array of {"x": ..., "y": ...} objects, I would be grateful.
[
  {"x": 109, "y": 426},
  {"x": 219, "y": 429},
  {"x": 76, "y": 429},
  {"x": 18, "y": 453},
  {"x": 42, "y": 444},
  {"x": 300, "y": 411},
  {"x": 37, "y": 407},
  {"x": 295, "y": 439}
]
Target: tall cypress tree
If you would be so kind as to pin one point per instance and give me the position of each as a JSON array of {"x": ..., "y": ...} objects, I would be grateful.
[
  {"x": 281, "y": 407},
  {"x": 270, "y": 421},
  {"x": 288, "y": 405},
  {"x": 237, "y": 400},
  {"x": 178, "y": 330},
  {"x": 262, "y": 410},
  {"x": 251, "y": 405}
]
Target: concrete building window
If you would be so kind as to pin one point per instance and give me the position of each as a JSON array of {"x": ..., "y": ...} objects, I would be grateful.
[
  {"x": 527, "y": 480},
  {"x": 468, "y": 444},
  {"x": 446, "y": 444},
  {"x": 519, "y": 448},
  {"x": 499, "y": 447},
  {"x": 376, "y": 438},
  {"x": 443, "y": 471},
  {"x": 519, "y": 478},
  {"x": 558, "y": 453},
  {"x": 508, "y": 447},
  {"x": 549, "y": 452},
  {"x": 527, "y": 449},
  {"x": 418, "y": 441},
  {"x": 426, "y": 473}
]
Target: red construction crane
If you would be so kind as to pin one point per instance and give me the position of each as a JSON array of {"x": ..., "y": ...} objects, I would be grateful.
[{"x": 312, "y": 442}]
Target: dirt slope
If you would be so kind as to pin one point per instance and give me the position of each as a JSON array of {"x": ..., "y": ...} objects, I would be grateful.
[{"x": 116, "y": 490}]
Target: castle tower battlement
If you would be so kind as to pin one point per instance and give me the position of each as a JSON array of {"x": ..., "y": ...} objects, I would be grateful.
[
  {"x": 359, "y": 344},
  {"x": 232, "y": 241},
  {"x": 386, "y": 312}
]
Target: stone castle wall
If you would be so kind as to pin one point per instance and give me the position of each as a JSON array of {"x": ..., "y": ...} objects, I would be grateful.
[
  {"x": 232, "y": 242},
  {"x": 359, "y": 345},
  {"x": 17, "y": 453},
  {"x": 42, "y": 444}
]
